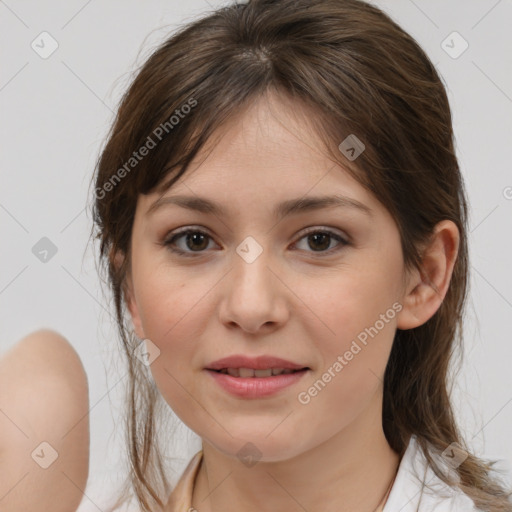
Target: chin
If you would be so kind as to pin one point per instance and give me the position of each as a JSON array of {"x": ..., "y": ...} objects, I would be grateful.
[{"x": 251, "y": 447}]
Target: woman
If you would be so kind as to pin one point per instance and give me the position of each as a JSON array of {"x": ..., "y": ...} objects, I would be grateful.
[{"x": 283, "y": 221}]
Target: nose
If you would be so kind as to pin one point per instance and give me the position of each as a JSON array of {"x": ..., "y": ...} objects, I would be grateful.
[{"x": 254, "y": 296}]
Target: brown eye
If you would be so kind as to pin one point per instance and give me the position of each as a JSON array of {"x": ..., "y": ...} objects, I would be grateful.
[
  {"x": 195, "y": 241},
  {"x": 320, "y": 241}
]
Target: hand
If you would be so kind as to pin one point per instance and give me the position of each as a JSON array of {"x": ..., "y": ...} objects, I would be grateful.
[{"x": 44, "y": 425}]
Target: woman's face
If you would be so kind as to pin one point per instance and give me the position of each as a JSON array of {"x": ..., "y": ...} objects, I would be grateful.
[{"x": 256, "y": 283}]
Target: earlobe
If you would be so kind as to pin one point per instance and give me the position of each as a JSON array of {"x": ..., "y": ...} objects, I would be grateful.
[
  {"x": 131, "y": 304},
  {"x": 406, "y": 318},
  {"x": 430, "y": 284}
]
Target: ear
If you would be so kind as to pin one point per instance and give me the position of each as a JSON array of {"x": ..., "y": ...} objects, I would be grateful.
[
  {"x": 129, "y": 296},
  {"x": 427, "y": 288}
]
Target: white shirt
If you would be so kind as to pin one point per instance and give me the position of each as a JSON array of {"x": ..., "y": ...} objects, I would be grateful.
[{"x": 407, "y": 494}]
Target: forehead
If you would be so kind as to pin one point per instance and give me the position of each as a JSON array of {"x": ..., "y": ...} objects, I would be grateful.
[
  {"x": 269, "y": 151},
  {"x": 266, "y": 162}
]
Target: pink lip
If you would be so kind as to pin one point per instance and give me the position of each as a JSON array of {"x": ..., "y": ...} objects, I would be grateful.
[
  {"x": 255, "y": 387},
  {"x": 256, "y": 363}
]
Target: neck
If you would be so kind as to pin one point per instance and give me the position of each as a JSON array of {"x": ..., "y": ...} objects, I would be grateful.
[{"x": 350, "y": 471}]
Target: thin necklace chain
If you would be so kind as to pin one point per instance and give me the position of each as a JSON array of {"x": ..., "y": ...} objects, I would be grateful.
[{"x": 383, "y": 501}]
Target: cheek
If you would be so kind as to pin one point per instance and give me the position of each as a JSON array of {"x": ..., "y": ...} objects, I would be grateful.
[
  {"x": 350, "y": 379},
  {"x": 174, "y": 310},
  {"x": 166, "y": 297},
  {"x": 353, "y": 330},
  {"x": 348, "y": 302},
  {"x": 175, "y": 370}
]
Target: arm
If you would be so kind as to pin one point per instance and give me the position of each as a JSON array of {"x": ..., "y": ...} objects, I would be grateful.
[{"x": 43, "y": 399}]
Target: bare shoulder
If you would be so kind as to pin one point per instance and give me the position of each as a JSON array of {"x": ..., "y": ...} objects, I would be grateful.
[{"x": 44, "y": 425}]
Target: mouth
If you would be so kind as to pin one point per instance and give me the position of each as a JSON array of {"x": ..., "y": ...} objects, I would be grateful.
[
  {"x": 256, "y": 383},
  {"x": 247, "y": 373}
]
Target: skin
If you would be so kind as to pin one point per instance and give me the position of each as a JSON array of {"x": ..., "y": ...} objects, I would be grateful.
[
  {"x": 43, "y": 398},
  {"x": 299, "y": 300}
]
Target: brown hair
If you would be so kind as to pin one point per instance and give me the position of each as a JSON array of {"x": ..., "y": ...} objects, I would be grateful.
[{"x": 361, "y": 74}]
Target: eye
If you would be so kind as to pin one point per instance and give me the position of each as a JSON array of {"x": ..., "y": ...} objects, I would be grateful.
[
  {"x": 319, "y": 240},
  {"x": 196, "y": 241}
]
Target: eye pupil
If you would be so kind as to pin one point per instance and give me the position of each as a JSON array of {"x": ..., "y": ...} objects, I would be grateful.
[
  {"x": 194, "y": 236},
  {"x": 323, "y": 236}
]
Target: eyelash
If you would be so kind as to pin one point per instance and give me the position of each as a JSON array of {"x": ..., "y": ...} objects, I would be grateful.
[{"x": 169, "y": 243}]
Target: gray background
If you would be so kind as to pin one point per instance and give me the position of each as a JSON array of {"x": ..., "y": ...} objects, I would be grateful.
[{"x": 56, "y": 113}]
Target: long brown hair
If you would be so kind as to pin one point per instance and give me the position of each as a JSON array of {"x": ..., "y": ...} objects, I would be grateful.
[{"x": 361, "y": 74}]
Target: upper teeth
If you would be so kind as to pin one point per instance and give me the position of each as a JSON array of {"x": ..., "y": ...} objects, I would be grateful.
[{"x": 249, "y": 372}]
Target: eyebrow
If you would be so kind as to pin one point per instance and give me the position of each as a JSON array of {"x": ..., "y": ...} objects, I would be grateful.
[{"x": 289, "y": 207}]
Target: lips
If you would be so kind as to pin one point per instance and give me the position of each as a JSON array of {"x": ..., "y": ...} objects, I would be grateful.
[
  {"x": 246, "y": 373},
  {"x": 246, "y": 364},
  {"x": 250, "y": 383}
]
